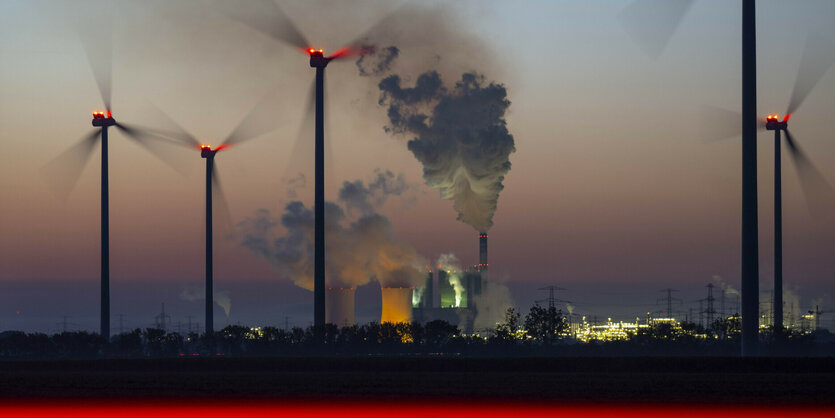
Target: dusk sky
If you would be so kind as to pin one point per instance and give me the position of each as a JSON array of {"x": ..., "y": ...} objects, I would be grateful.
[{"x": 613, "y": 192}]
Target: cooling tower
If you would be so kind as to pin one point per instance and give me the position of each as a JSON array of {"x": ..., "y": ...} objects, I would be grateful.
[
  {"x": 339, "y": 308},
  {"x": 397, "y": 304},
  {"x": 427, "y": 300},
  {"x": 482, "y": 255}
]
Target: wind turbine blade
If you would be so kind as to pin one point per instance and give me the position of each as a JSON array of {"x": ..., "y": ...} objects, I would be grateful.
[
  {"x": 264, "y": 16},
  {"x": 177, "y": 132},
  {"x": 62, "y": 173},
  {"x": 152, "y": 143},
  {"x": 301, "y": 157},
  {"x": 718, "y": 124},
  {"x": 330, "y": 176},
  {"x": 219, "y": 203},
  {"x": 98, "y": 45},
  {"x": 818, "y": 56},
  {"x": 820, "y": 196},
  {"x": 260, "y": 120},
  {"x": 366, "y": 42},
  {"x": 652, "y": 23}
]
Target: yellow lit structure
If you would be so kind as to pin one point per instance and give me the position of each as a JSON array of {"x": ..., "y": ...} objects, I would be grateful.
[
  {"x": 610, "y": 331},
  {"x": 397, "y": 304}
]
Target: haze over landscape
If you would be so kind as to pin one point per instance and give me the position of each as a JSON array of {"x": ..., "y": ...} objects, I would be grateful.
[{"x": 613, "y": 192}]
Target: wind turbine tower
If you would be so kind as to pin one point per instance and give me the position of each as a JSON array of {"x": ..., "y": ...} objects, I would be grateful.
[{"x": 319, "y": 62}]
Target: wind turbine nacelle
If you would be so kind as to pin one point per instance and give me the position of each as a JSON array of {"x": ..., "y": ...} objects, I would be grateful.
[
  {"x": 206, "y": 151},
  {"x": 317, "y": 58},
  {"x": 773, "y": 123},
  {"x": 103, "y": 118}
]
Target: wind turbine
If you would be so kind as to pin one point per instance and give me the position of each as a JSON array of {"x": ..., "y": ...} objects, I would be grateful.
[
  {"x": 65, "y": 169},
  {"x": 812, "y": 69},
  {"x": 818, "y": 56},
  {"x": 652, "y": 23},
  {"x": 254, "y": 124},
  {"x": 265, "y": 16}
]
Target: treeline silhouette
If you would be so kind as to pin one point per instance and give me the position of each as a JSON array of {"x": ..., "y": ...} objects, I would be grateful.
[{"x": 542, "y": 332}]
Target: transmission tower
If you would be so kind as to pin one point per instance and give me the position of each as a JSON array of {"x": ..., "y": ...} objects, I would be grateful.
[
  {"x": 65, "y": 325},
  {"x": 161, "y": 320},
  {"x": 710, "y": 311},
  {"x": 551, "y": 299},
  {"x": 669, "y": 299}
]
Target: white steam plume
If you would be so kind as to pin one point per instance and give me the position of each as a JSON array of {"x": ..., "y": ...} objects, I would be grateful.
[
  {"x": 450, "y": 264},
  {"x": 491, "y": 304},
  {"x": 728, "y": 289}
]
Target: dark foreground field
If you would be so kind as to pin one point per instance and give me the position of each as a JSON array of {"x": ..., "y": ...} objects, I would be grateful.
[{"x": 779, "y": 381}]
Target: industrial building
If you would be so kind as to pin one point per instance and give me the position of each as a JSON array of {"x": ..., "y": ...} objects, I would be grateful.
[
  {"x": 456, "y": 293},
  {"x": 446, "y": 294}
]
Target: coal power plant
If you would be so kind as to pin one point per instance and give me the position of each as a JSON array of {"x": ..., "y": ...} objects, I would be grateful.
[
  {"x": 450, "y": 295},
  {"x": 447, "y": 294},
  {"x": 455, "y": 302}
]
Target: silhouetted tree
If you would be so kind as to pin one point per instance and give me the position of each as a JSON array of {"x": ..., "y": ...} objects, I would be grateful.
[
  {"x": 439, "y": 332},
  {"x": 232, "y": 339},
  {"x": 78, "y": 344},
  {"x": 545, "y": 324},
  {"x": 506, "y": 331},
  {"x": 172, "y": 344},
  {"x": 153, "y": 341},
  {"x": 128, "y": 344}
]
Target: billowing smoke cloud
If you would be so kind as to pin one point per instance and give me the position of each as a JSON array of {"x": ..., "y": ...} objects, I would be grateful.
[
  {"x": 449, "y": 263},
  {"x": 357, "y": 196},
  {"x": 221, "y": 298},
  {"x": 460, "y": 137},
  {"x": 356, "y": 252},
  {"x": 376, "y": 61}
]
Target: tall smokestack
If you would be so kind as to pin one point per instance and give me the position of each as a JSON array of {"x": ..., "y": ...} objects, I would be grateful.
[{"x": 482, "y": 255}]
